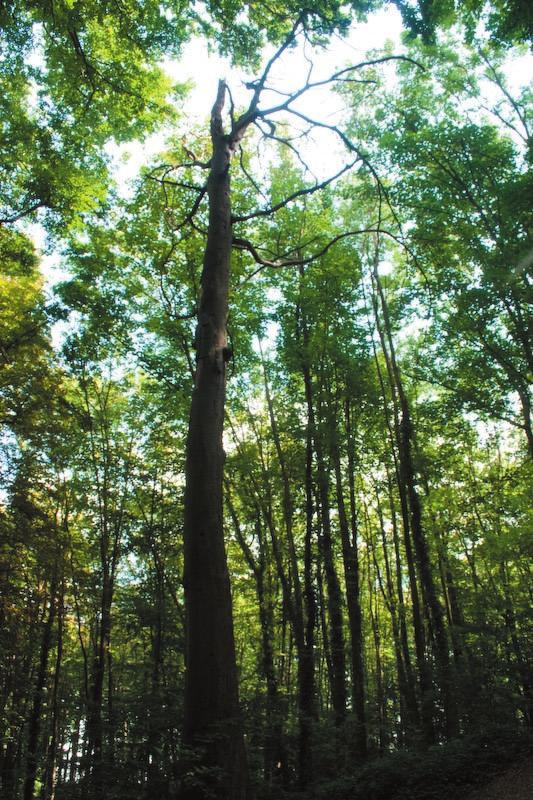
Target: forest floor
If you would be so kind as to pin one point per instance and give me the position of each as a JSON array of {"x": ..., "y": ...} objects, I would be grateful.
[{"x": 514, "y": 784}]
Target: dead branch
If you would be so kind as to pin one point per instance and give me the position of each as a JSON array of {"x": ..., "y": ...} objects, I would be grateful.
[
  {"x": 245, "y": 244},
  {"x": 265, "y": 212}
]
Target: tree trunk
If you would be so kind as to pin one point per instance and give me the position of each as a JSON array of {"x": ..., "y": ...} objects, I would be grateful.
[
  {"x": 274, "y": 750},
  {"x": 304, "y": 624},
  {"x": 373, "y": 612},
  {"x": 409, "y": 713},
  {"x": 34, "y": 723},
  {"x": 337, "y": 649},
  {"x": 338, "y": 659},
  {"x": 306, "y": 665},
  {"x": 51, "y": 758},
  {"x": 95, "y": 734},
  {"x": 421, "y": 547},
  {"x": 351, "y": 577},
  {"x": 424, "y": 669},
  {"x": 74, "y": 760},
  {"x": 212, "y": 724}
]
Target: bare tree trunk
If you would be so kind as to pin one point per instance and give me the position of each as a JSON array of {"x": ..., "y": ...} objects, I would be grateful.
[
  {"x": 274, "y": 750},
  {"x": 34, "y": 724},
  {"x": 304, "y": 623},
  {"x": 525, "y": 406},
  {"x": 212, "y": 723},
  {"x": 421, "y": 547},
  {"x": 306, "y": 665},
  {"x": 51, "y": 759},
  {"x": 95, "y": 733},
  {"x": 338, "y": 656},
  {"x": 74, "y": 760},
  {"x": 337, "y": 648},
  {"x": 351, "y": 577},
  {"x": 424, "y": 669},
  {"x": 154, "y": 784},
  {"x": 409, "y": 710},
  {"x": 374, "y": 621},
  {"x": 21, "y": 695}
]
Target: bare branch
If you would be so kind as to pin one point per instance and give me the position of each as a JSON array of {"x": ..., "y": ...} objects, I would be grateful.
[
  {"x": 217, "y": 127},
  {"x": 167, "y": 301},
  {"x": 285, "y": 141},
  {"x": 231, "y": 107},
  {"x": 373, "y": 62},
  {"x": 247, "y": 174},
  {"x": 260, "y": 84},
  {"x": 88, "y": 68},
  {"x": 244, "y": 244},
  {"x": 499, "y": 80},
  {"x": 24, "y": 213},
  {"x": 168, "y": 168},
  {"x": 239, "y": 127},
  {"x": 188, "y": 219},
  {"x": 180, "y": 184},
  {"x": 336, "y": 76},
  {"x": 264, "y": 212}
]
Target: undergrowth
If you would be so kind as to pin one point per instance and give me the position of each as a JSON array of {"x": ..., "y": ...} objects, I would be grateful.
[{"x": 444, "y": 772}]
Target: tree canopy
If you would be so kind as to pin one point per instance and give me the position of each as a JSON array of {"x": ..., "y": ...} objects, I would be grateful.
[{"x": 266, "y": 443}]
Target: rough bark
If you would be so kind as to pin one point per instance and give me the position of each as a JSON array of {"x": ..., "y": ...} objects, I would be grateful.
[{"x": 212, "y": 724}]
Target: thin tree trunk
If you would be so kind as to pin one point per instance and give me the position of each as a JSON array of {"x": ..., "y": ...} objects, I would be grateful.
[
  {"x": 95, "y": 734},
  {"x": 306, "y": 665},
  {"x": 74, "y": 760},
  {"x": 337, "y": 649},
  {"x": 305, "y": 622},
  {"x": 338, "y": 656},
  {"x": 424, "y": 670},
  {"x": 409, "y": 715},
  {"x": 34, "y": 723},
  {"x": 353, "y": 600},
  {"x": 525, "y": 406},
  {"x": 380, "y": 694},
  {"x": 51, "y": 760},
  {"x": 420, "y": 542},
  {"x": 154, "y": 783},
  {"x": 275, "y": 759}
]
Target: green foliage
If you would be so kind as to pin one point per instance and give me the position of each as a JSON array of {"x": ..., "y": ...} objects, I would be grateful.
[{"x": 93, "y": 434}]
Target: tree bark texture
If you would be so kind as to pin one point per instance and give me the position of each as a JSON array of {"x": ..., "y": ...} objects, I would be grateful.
[{"x": 212, "y": 725}]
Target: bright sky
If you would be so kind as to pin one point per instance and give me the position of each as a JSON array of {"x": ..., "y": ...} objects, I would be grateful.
[
  {"x": 204, "y": 69},
  {"x": 324, "y": 153}
]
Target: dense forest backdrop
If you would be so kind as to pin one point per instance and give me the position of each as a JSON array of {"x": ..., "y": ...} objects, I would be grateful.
[{"x": 316, "y": 580}]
